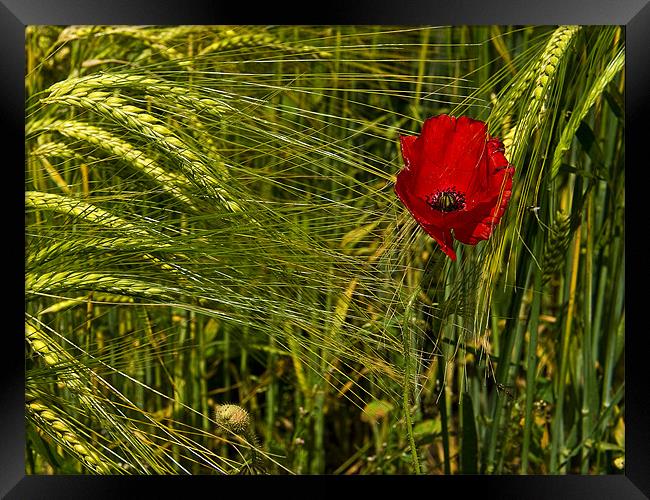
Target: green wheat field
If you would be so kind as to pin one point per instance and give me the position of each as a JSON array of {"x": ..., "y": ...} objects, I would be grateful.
[{"x": 220, "y": 278}]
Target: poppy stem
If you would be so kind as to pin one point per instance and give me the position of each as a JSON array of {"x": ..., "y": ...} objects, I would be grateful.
[{"x": 406, "y": 340}]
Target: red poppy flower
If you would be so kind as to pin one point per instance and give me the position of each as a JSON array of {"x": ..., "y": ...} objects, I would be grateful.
[{"x": 456, "y": 178}]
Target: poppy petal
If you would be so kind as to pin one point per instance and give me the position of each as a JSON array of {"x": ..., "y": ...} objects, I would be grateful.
[
  {"x": 471, "y": 235},
  {"x": 418, "y": 207},
  {"x": 473, "y": 231},
  {"x": 456, "y": 178},
  {"x": 408, "y": 150},
  {"x": 465, "y": 157},
  {"x": 444, "y": 239},
  {"x": 437, "y": 134},
  {"x": 431, "y": 148}
]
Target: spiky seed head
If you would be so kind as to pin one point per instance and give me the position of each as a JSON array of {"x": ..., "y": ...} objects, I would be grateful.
[{"x": 232, "y": 417}]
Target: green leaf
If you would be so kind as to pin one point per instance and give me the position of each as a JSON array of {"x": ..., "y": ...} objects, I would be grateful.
[
  {"x": 565, "y": 167},
  {"x": 427, "y": 429},
  {"x": 615, "y": 100},
  {"x": 589, "y": 143},
  {"x": 602, "y": 446},
  {"x": 376, "y": 410},
  {"x": 41, "y": 447},
  {"x": 469, "y": 451}
]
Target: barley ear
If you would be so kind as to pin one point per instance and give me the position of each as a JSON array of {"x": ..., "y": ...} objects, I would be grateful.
[
  {"x": 556, "y": 245},
  {"x": 53, "y": 424}
]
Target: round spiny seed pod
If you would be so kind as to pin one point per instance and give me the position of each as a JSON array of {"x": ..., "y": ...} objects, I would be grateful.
[{"x": 232, "y": 417}]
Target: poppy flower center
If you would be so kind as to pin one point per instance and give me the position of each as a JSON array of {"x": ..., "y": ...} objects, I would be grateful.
[{"x": 448, "y": 200}]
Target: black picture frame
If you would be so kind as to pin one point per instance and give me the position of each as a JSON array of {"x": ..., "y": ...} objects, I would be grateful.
[{"x": 15, "y": 15}]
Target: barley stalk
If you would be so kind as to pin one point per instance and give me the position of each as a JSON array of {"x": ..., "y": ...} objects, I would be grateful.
[
  {"x": 134, "y": 32},
  {"x": 541, "y": 78},
  {"x": 55, "y": 175},
  {"x": 117, "y": 109},
  {"x": 79, "y": 209},
  {"x": 55, "y": 282},
  {"x": 612, "y": 69},
  {"x": 54, "y": 355},
  {"x": 150, "y": 85},
  {"x": 83, "y": 245},
  {"x": 230, "y": 40},
  {"x": 97, "y": 298},
  {"x": 543, "y": 75},
  {"x": 138, "y": 238},
  {"x": 41, "y": 345},
  {"x": 80, "y": 247},
  {"x": 170, "y": 33},
  {"x": 556, "y": 245},
  {"x": 53, "y": 424},
  {"x": 171, "y": 183},
  {"x": 77, "y": 382},
  {"x": 60, "y": 150}
]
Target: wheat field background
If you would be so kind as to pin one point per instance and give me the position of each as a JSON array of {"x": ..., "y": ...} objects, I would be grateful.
[{"x": 221, "y": 280}]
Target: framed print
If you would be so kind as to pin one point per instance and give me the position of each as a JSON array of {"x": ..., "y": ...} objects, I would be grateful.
[{"x": 365, "y": 243}]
